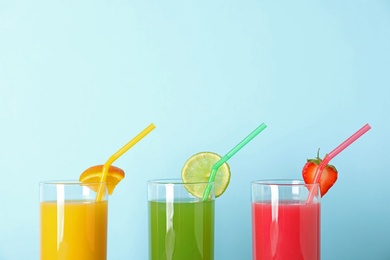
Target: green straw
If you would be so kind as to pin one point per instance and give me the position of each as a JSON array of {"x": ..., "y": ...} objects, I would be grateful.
[{"x": 232, "y": 152}]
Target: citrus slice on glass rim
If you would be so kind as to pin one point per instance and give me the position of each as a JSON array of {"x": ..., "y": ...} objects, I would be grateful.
[
  {"x": 198, "y": 168},
  {"x": 94, "y": 173}
]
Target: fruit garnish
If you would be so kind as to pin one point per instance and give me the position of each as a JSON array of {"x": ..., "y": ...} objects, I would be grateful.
[
  {"x": 328, "y": 176},
  {"x": 198, "y": 168},
  {"x": 94, "y": 173}
]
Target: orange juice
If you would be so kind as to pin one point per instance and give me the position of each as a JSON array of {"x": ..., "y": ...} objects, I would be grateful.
[{"x": 73, "y": 230}]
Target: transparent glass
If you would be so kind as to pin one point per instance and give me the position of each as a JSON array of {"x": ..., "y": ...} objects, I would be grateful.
[
  {"x": 73, "y": 225},
  {"x": 181, "y": 225},
  {"x": 285, "y": 224}
]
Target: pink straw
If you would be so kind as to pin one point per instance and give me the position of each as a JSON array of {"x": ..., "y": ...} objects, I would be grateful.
[{"x": 335, "y": 152}]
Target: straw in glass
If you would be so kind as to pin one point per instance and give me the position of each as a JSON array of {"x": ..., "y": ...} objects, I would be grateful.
[
  {"x": 119, "y": 153},
  {"x": 224, "y": 159},
  {"x": 332, "y": 154}
]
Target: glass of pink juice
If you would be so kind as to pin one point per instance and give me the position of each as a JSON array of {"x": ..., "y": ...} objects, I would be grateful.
[
  {"x": 285, "y": 225},
  {"x": 73, "y": 224}
]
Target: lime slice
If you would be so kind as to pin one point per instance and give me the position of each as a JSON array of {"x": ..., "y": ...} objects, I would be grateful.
[{"x": 198, "y": 168}]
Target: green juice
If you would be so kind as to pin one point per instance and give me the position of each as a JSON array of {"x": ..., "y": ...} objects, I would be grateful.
[{"x": 181, "y": 230}]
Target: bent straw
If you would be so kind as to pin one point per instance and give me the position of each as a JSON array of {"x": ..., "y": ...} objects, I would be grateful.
[
  {"x": 221, "y": 161},
  {"x": 118, "y": 154},
  {"x": 333, "y": 153}
]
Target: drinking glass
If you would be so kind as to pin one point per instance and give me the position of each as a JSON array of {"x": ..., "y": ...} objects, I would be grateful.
[
  {"x": 73, "y": 224},
  {"x": 181, "y": 225},
  {"x": 285, "y": 224}
]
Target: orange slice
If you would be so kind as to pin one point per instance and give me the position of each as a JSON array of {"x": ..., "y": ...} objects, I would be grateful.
[{"x": 94, "y": 173}]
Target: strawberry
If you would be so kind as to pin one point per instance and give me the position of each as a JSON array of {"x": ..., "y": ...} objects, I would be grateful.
[{"x": 328, "y": 176}]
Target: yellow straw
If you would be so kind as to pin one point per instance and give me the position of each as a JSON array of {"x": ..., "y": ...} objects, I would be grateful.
[{"x": 118, "y": 154}]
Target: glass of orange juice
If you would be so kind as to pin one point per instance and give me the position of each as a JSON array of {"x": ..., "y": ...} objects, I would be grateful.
[{"x": 73, "y": 223}]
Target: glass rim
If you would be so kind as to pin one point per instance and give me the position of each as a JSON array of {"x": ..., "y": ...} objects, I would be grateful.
[
  {"x": 283, "y": 182},
  {"x": 69, "y": 182},
  {"x": 176, "y": 181}
]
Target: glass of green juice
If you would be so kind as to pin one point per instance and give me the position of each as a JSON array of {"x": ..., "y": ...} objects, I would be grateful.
[{"x": 181, "y": 225}]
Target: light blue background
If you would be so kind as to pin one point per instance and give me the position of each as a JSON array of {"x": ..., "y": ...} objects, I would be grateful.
[{"x": 78, "y": 79}]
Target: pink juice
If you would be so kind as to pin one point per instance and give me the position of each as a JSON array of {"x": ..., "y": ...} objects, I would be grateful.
[{"x": 288, "y": 230}]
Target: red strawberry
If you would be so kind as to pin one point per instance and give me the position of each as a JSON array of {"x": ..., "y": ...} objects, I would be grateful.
[{"x": 328, "y": 176}]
